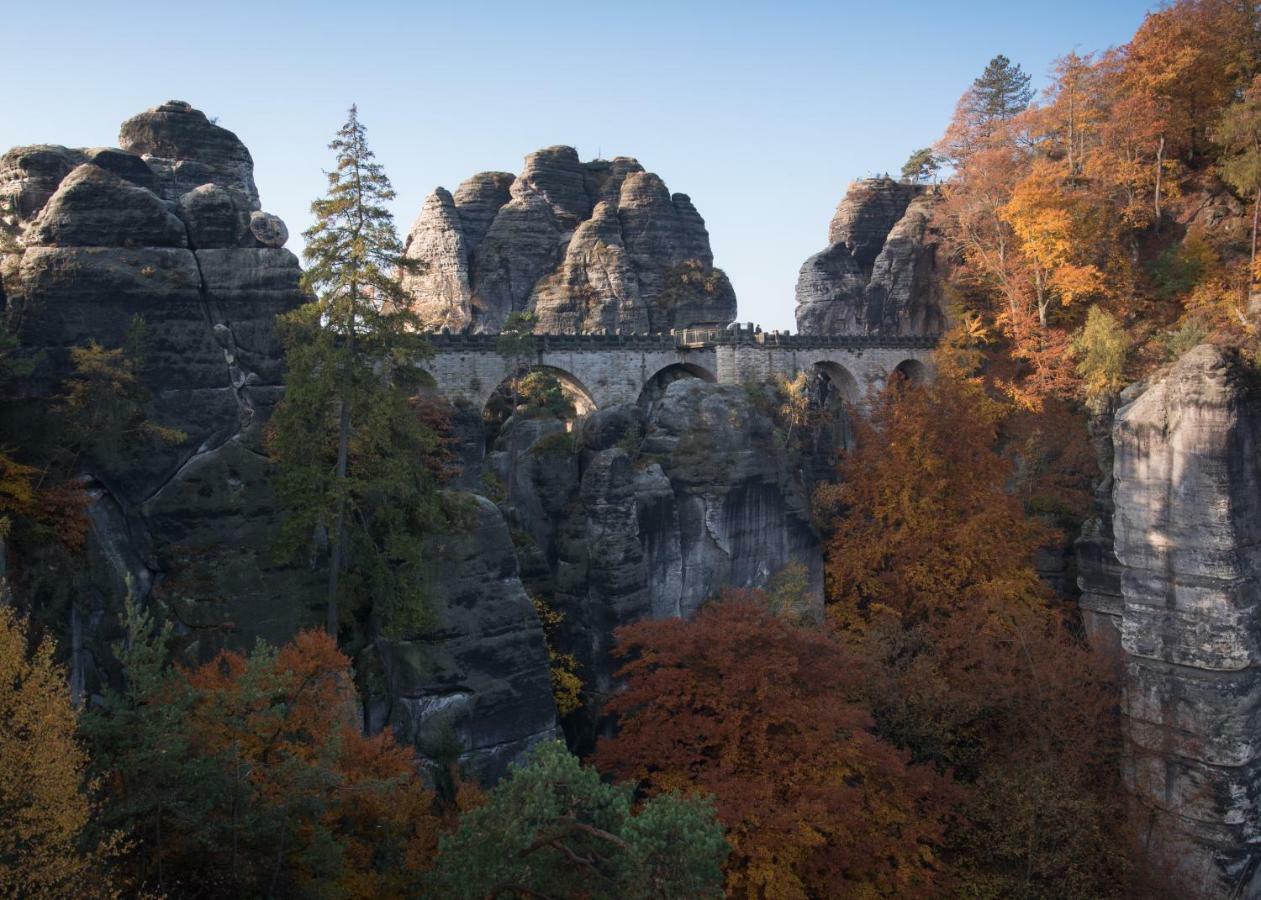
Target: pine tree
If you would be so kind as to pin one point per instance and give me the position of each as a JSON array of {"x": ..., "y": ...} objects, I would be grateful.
[
  {"x": 346, "y": 437},
  {"x": 1000, "y": 92},
  {"x": 920, "y": 167}
]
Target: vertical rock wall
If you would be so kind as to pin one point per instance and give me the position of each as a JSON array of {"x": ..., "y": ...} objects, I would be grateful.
[{"x": 1187, "y": 528}]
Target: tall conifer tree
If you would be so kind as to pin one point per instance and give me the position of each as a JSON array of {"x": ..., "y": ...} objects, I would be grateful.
[
  {"x": 1000, "y": 92},
  {"x": 346, "y": 437}
]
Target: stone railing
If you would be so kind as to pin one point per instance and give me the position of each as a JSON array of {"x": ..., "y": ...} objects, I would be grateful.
[{"x": 687, "y": 339}]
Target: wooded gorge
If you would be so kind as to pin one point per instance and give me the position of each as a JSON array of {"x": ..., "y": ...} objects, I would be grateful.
[{"x": 278, "y": 618}]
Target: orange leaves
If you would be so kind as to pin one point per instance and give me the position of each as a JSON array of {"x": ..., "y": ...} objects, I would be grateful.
[
  {"x": 745, "y": 705},
  {"x": 286, "y": 721},
  {"x": 929, "y": 525}
]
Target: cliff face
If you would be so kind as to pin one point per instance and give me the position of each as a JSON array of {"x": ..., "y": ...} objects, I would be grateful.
[
  {"x": 1187, "y": 526},
  {"x": 166, "y": 228},
  {"x": 641, "y": 515},
  {"x": 878, "y": 274},
  {"x": 600, "y": 246},
  {"x": 169, "y": 228}
]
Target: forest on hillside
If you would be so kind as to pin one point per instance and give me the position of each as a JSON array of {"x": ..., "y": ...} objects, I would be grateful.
[{"x": 943, "y": 727}]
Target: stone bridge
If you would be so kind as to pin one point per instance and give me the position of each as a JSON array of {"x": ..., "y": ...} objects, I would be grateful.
[{"x": 603, "y": 370}]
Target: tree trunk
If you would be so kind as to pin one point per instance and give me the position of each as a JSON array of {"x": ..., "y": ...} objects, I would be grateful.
[
  {"x": 1252, "y": 260},
  {"x": 339, "y": 525},
  {"x": 1160, "y": 168}
]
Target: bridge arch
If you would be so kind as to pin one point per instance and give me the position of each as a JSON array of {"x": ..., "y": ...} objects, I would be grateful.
[
  {"x": 831, "y": 380},
  {"x": 499, "y": 403},
  {"x": 911, "y": 370},
  {"x": 655, "y": 387}
]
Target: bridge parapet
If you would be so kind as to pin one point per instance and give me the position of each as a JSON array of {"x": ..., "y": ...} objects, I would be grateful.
[{"x": 689, "y": 338}]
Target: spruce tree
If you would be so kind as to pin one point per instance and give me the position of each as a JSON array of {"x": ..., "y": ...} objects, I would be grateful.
[{"x": 346, "y": 438}]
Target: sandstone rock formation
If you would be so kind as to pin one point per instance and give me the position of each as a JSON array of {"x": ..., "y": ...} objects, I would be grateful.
[
  {"x": 1186, "y": 531},
  {"x": 600, "y": 246},
  {"x": 161, "y": 230},
  {"x": 171, "y": 232},
  {"x": 879, "y": 273},
  {"x": 481, "y": 671},
  {"x": 640, "y": 515}
]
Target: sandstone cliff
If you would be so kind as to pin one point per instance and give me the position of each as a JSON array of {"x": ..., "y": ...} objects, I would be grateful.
[
  {"x": 600, "y": 246},
  {"x": 169, "y": 228},
  {"x": 649, "y": 514},
  {"x": 1177, "y": 589},
  {"x": 878, "y": 274}
]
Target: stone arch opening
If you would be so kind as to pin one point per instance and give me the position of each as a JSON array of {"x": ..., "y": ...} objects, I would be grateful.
[
  {"x": 910, "y": 371},
  {"x": 655, "y": 387},
  {"x": 831, "y": 382},
  {"x": 538, "y": 392}
]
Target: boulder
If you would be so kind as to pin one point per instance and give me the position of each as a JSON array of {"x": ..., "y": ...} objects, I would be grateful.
[
  {"x": 214, "y": 216},
  {"x": 93, "y": 207},
  {"x": 186, "y": 150},
  {"x": 268, "y": 229}
]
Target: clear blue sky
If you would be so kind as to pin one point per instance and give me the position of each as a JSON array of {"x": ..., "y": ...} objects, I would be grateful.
[{"x": 762, "y": 112}]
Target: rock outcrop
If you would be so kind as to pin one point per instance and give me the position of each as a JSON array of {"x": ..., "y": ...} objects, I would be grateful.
[
  {"x": 166, "y": 230},
  {"x": 648, "y": 515},
  {"x": 169, "y": 230},
  {"x": 480, "y": 673},
  {"x": 599, "y": 247},
  {"x": 1186, "y": 530},
  {"x": 879, "y": 273}
]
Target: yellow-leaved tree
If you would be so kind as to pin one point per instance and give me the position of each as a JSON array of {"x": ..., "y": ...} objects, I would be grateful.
[{"x": 44, "y": 803}]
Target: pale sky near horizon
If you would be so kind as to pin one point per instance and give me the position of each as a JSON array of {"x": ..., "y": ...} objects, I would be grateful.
[{"x": 761, "y": 112}]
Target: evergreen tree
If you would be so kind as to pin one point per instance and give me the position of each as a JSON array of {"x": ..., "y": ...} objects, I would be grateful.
[
  {"x": 921, "y": 166},
  {"x": 552, "y": 828},
  {"x": 346, "y": 437},
  {"x": 1000, "y": 92}
]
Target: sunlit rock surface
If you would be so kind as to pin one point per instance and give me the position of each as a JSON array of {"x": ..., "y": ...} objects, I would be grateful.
[{"x": 593, "y": 247}]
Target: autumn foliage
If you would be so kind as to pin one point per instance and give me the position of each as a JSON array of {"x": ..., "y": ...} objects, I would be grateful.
[
  {"x": 756, "y": 710},
  {"x": 965, "y": 658},
  {"x": 44, "y": 791},
  {"x": 1077, "y": 201},
  {"x": 250, "y": 774}
]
